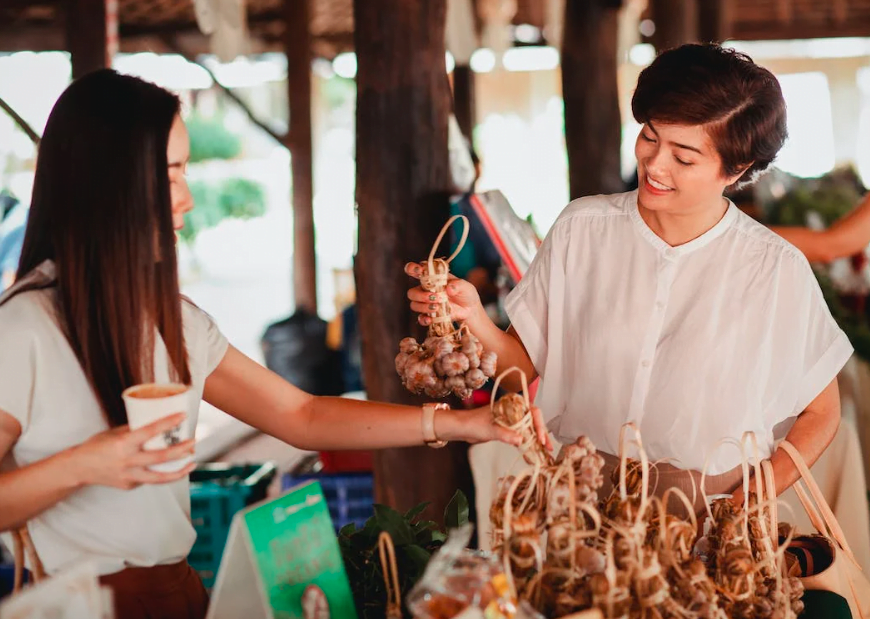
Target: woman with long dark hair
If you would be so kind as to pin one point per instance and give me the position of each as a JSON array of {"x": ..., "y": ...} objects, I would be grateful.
[
  {"x": 96, "y": 309},
  {"x": 668, "y": 307}
]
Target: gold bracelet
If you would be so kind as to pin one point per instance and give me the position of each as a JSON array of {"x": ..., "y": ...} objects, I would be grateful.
[{"x": 429, "y": 437}]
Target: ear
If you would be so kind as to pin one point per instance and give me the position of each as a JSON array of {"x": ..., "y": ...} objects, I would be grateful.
[{"x": 736, "y": 177}]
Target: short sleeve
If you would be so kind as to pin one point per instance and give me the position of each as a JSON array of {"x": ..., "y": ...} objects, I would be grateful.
[
  {"x": 823, "y": 347},
  {"x": 17, "y": 366},
  {"x": 207, "y": 331},
  {"x": 530, "y": 303}
]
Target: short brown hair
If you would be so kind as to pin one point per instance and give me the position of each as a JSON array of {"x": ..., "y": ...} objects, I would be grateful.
[{"x": 706, "y": 84}]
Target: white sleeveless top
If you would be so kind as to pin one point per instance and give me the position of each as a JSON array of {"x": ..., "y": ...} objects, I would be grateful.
[
  {"x": 725, "y": 334},
  {"x": 43, "y": 386}
]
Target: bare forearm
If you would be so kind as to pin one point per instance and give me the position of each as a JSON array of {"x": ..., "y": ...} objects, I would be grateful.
[
  {"x": 507, "y": 347},
  {"x": 851, "y": 233},
  {"x": 326, "y": 423},
  {"x": 846, "y": 236},
  {"x": 31, "y": 490},
  {"x": 811, "y": 435}
]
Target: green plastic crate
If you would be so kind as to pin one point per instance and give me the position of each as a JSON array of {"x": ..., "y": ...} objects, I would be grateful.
[{"x": 217, "y": 492}]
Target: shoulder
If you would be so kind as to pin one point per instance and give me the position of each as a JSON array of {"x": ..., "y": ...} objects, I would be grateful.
[
  {"x": 592, "y": 212},
  {"x": 27, "y": 324},
  {"x": 31, "y": 310},
  {"x": 613, "y": 206},
  {"x": 202, "y": 334},
  {"x": 194, "y": 317},
  {"x": 760, "y": 238}
]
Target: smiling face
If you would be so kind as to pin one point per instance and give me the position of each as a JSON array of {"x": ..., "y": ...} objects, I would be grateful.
[
  {"x": 178, "y": 155},
  {"x": 678, "y": 168}
]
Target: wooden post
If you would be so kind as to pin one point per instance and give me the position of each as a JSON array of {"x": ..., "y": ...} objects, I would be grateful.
[
  {"x": 715, "y": 19},
  {"x": 464, "y": 99},
  {"x": 676, "y": 22},
  {"x": 91, "y": 34},
  {"x": 297, "y": 45},
  {"x": 402, "y": 189},
  {"x": 593, "y": 127}
]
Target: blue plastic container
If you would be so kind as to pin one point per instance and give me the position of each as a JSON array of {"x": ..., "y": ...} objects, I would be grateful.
[{"x": 349, "y": 496}]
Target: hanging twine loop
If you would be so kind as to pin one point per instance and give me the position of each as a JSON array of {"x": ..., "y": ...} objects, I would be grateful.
[
  {"x": 436, "y": 272},
  {"x": 22, "y": 544},
  {"x": 391, "y": 575}
]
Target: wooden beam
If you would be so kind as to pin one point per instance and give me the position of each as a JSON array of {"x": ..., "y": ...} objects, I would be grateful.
[
  {"x": 841, "y": 11},
  {"x": 715, "y": 20},
  {"x": 784, "y": 11},
  {"x": 403, "y": 185},
  {"x": 87, "y": 35},
  {"x": 25, "y": 126},
  {"x": 464, "y": 103},
  {"x": 676, "y": 22},
  {"x": 297, "y": 43},
  {"x": 593, "y": 126},
  {"x": 172, "y": 44},
  {"x": 35, "y": 38}
]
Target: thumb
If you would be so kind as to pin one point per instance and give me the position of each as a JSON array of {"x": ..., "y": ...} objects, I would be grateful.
[
  {"x": 461, "y": 292},
  {"x": 508, "y": 436}
]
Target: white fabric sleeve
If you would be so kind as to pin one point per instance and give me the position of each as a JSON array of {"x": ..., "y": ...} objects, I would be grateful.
[
  {"x": 17, "y": 368},
  {"x": 824, "y": 347},
  {"x": 539, "y": 291},
  {"x": 207, "y": 329}
]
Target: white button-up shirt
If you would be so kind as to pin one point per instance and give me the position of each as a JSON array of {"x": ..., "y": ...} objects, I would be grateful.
[{"x": 725, "y": 334}]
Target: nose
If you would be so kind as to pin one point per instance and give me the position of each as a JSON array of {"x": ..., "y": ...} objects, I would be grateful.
[{"x": 654, "y": 163}]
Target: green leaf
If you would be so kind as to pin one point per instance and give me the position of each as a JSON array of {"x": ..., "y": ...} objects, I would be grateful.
[
  {"x": 424, "y": 525},
  {"x": 456, "y": 514},
  {"x": 347, "y": 530},
  {"x": 392, "y": 522},
  {"x": 419, "y": 557},
  {"x": 438, "y": 536},
  {"x": 416, "y": 511}
]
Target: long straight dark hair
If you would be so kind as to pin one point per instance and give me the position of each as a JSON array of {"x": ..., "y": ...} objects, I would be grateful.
[{"x": 101, "y": 210}]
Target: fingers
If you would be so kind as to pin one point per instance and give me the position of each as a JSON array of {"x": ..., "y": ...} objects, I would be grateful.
[
  {"x": 419, "y": 295},
  {"x": 413, "y": 269},
  {"x": 158, "y": 456},
  {"x": 541, "y": 428},
  {"x": 424, "y": 308},
  {"x": 145, "y": 476},
  {"x": 144, "y": 433}
]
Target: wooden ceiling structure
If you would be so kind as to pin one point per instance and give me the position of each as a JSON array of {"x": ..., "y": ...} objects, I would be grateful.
[{"x": 143, "y": 25}]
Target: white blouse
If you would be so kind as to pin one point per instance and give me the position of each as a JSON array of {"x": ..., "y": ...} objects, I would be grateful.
[
  {"x": 44, "y": 388},
  {"x": 725, "y": 334}
]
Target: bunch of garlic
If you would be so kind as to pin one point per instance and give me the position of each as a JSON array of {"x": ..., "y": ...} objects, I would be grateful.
[{"x": 441, "y": 365}]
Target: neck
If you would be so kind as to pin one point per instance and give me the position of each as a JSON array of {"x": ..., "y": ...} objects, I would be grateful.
[{"x": 677, "y": 229}]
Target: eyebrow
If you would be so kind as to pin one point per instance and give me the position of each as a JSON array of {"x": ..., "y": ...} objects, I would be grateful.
[
  {"x": 677, "y": 144},
  {"x": 177, "y": 164}
]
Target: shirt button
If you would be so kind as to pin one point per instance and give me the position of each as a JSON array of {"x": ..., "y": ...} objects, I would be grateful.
[
  {"x": 645, "y": 363},
  {"x": 659, "y": 305}
]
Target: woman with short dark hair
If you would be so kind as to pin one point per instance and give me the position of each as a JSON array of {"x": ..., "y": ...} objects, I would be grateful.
[{"x": 667, "y": 306}]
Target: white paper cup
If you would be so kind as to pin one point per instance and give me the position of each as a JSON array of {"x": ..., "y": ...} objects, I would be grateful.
[{"x": 151, "y": 402}]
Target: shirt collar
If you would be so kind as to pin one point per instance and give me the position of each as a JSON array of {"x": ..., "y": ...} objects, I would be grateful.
[{"x": 672, "y": 252}]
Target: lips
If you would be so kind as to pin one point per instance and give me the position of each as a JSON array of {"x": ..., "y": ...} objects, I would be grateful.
[{"x": 655, "y": 187}]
